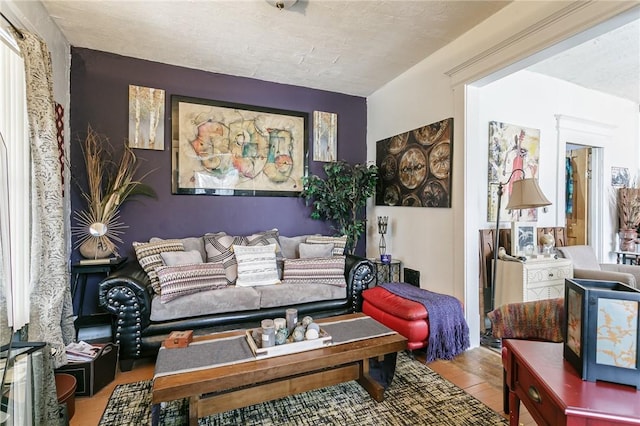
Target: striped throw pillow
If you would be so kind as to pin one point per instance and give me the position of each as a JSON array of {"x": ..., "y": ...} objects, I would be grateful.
[
  {"x": 319, "y": 270},
  {"x": 256, "y": 265},
  {"x": 149, "y": 257},
  {"x": 219, "y": 249},
  {"x": 180, "y": 280},
  {"x": 339, "y": 243},
  {"x": 265, "y": 238}
]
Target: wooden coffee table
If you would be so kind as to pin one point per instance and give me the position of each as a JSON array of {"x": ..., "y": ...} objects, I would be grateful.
[{"x": 223, "y": 388}]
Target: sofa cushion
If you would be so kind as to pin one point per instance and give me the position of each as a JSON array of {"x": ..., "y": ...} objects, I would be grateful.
[
  {"x": 219, "y": 249},
  {"x": 339, "y": 243},
  {"x": 173, "y": 258},
  {"x": 315, "y": 250},
  {"x": 289, "y": 245},
  {"x": 256, "y": 265},
  {"x": 228, "y": 299},
  {"x": 149, "y": 257},
  {"x": 189, "y": 243},
  {"x": 273, "y": 296},
  {"x": 180, "y": 280},
  {"x": 265, "y": 238},
  {"x": 317, "y": 270}
]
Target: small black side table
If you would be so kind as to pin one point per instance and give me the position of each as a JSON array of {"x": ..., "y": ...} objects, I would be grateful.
[
  {"x": 81, "y": 271},
  {"x": 387, "y": 272}
]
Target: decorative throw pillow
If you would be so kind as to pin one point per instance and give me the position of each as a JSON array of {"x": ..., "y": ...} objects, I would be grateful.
[
  {"x": 339, "y": 243},
  {"x": 265, "y": 238},
  {"x": 173, "y": 258},
  {"x": 220, "y": 250},
  {"x": 189, "y": 243},
  {"x": 289, "y": 245},
  {"x": 149, "y": 257},
  {"x": 315, "y": 250},
  {"x": 256, "y": 265},
  {"x": 318, "y": 270},
  {"x": 180, "y": 280}
]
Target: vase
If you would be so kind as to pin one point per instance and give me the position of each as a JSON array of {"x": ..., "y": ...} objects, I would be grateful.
[
  {"x": 628, "y": 239},
  {"x": 93, "y": 248}
]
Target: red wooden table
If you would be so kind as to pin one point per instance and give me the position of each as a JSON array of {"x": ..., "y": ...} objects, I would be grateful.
[{"x": 554, "y": 394}]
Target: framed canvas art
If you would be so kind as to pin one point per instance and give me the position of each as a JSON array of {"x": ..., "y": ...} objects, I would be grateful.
[
  {"x": 325, "y": 136},
  {"x": 146, "y": 118},
  {"x": 415, "y": 167},
  {"x": 511, "y": 147},
  {"x": 220, "y": 148}
]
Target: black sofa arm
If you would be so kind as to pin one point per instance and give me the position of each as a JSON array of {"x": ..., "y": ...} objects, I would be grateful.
[
  {"x": 126, "y": 294},
  {"x": 360, "y": 274}
]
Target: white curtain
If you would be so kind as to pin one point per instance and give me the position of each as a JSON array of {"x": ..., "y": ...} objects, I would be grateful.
[{"x": 51, "y": 317}]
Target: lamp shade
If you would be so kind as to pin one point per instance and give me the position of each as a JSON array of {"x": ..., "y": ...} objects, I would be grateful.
[{"x": 526, "y": 194}]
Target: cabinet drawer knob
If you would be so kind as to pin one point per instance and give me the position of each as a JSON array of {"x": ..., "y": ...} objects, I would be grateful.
[
  {"x": 534, "y": 394},
  {"x": 550, "y": 274}
]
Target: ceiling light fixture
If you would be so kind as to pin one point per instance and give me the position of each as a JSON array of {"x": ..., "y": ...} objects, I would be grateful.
[{"x": 282, "y": 4}]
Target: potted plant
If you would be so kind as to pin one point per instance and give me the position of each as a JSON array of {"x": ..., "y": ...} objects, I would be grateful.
[
  {"x": 628, "y": 207},
  {"x": 341, "y": 196},
  {"x": 111, "y": 180}
]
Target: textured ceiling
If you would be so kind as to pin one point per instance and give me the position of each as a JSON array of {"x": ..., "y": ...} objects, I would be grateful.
[
  {"x": 609, "y": 63},
  {"x": 345, "y": 46},
  {"x": 352, "y": 47}
]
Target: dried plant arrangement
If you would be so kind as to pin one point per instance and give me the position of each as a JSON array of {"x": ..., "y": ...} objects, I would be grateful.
[
  {"x": 628, "y": 206},
  {"x": 111, "y": 180}
]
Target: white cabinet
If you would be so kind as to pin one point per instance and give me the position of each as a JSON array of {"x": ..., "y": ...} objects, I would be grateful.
[{"x": 535, "y": 279}]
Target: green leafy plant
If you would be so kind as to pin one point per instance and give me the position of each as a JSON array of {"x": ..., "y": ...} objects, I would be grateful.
[{"x": 341, "y": 196}]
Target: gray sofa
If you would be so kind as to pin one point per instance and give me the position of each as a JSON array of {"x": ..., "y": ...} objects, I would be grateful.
[{"x": 140, "y": 321}]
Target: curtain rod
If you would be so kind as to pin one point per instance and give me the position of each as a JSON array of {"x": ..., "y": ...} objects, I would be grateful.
[{"x": 12, "y": 26}]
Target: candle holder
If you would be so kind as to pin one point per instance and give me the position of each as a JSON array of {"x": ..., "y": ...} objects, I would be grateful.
[{"x": 382, "y": 230}]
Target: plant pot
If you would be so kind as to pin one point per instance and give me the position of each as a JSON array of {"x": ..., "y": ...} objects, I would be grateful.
[
  {"x": 628, "y": 239},
  {"x": 92, "y": 248}
]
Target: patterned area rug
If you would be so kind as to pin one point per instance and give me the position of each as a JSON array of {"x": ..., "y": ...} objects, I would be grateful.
[{"x": 417, "y": 396}]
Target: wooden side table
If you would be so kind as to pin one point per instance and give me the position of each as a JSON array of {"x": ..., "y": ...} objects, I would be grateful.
[
  {"x": 554, "y": 394},
  {"x": 627, "y": 256}
]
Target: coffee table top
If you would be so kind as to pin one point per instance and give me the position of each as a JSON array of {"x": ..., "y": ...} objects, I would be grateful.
[{"x": 248, "y": 370}]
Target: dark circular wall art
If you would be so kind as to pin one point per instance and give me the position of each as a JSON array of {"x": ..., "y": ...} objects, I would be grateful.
[{"x": 415, "y": 167}]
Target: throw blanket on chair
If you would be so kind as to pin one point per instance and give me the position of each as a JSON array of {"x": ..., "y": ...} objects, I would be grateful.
[{"x": 448, "y": 330}]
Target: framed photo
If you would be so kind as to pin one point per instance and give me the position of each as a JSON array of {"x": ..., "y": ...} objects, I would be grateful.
[
  {"x": 523, "y": 239},
  {"x": 325, "y": 136},
  {"x": 146, "y": 118},
  {"x": 221, "y": 148},
  {"x": 619, "y": 177}
]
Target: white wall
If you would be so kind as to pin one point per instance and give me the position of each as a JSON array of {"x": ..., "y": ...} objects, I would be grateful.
[
  {"x": 533, "y": 100},
  {"x": 443, "y": 243}
]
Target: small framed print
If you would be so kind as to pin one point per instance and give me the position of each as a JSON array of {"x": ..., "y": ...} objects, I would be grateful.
[
  {"x": 325, "y": 136},
  {"x": 523, "y": 239}
]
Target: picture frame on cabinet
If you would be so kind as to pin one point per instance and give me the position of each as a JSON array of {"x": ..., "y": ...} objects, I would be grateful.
[{"x": 523, "y": 239}]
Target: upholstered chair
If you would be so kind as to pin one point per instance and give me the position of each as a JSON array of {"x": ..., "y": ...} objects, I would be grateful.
[{"x": 586, "y": 266}]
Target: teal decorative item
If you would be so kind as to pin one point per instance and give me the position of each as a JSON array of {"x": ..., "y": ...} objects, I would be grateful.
[
  {"x": 281, "y": 336},
  {"x": 298, "y": 334}
]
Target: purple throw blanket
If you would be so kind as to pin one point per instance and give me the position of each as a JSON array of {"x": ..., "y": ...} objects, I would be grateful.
[{"x": 448, "y": 330}]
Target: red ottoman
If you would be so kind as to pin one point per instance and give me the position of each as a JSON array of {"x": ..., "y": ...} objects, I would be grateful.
[{"x": 407, "y": 317}]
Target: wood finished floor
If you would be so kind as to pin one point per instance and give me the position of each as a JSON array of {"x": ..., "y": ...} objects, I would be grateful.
[{"x": 478, "y": 371}]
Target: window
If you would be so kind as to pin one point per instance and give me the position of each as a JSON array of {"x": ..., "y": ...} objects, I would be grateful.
[{"x": 15, "y": 131}]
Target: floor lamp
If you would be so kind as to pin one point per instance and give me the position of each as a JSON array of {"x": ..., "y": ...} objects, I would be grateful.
[{"x": 525, "y": 194}]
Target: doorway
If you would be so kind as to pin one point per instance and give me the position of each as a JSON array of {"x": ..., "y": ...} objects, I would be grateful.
[{"x": 577, "y": 189}]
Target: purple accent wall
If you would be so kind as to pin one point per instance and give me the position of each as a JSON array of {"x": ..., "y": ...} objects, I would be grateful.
[{"x": 99, "y": 97}]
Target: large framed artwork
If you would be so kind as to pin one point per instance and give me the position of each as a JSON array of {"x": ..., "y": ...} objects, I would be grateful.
[
  {"x": 220, "y": 148},
  {"x": 415, "y": 167},
  {"x": 146, "y": 118},
  {"x": 511, "y": 147}
]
